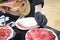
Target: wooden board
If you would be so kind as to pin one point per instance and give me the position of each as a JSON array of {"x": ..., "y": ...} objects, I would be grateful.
[{"x": 52, "y": 11}]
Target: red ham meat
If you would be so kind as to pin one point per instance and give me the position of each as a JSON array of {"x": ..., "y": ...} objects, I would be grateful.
[
  {"x": 6, "y": 32},
  {"x": 40, "y": 34}
]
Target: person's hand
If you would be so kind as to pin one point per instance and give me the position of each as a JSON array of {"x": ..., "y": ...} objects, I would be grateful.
[{"x": 41, "y": 19}]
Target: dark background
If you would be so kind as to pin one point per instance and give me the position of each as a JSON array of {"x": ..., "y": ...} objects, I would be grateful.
[{"x": 20, "y": 34}]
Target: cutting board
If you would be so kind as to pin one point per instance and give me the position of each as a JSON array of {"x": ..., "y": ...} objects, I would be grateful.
[{"x": 52, "y": 11}]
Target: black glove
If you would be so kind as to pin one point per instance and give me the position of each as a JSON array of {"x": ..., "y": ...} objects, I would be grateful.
[{"x": 41, "y": 19}]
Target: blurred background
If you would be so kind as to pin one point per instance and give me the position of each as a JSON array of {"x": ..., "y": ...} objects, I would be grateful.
[{"x": 52, "y": 11}]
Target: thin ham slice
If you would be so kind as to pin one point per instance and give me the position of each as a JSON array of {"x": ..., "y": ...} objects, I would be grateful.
[{"x": 40, "y": 34}]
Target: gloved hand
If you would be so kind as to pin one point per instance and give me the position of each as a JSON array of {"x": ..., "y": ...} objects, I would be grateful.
[{"x": 41, "y": 19}]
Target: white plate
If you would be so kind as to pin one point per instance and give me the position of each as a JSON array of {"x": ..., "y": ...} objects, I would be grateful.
[
  {"x": 46, "y": 29},
  {"x": 26, "y": 23},
  {"x": 9, "y": 28},
  {"x": 11, "y": 36}
]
